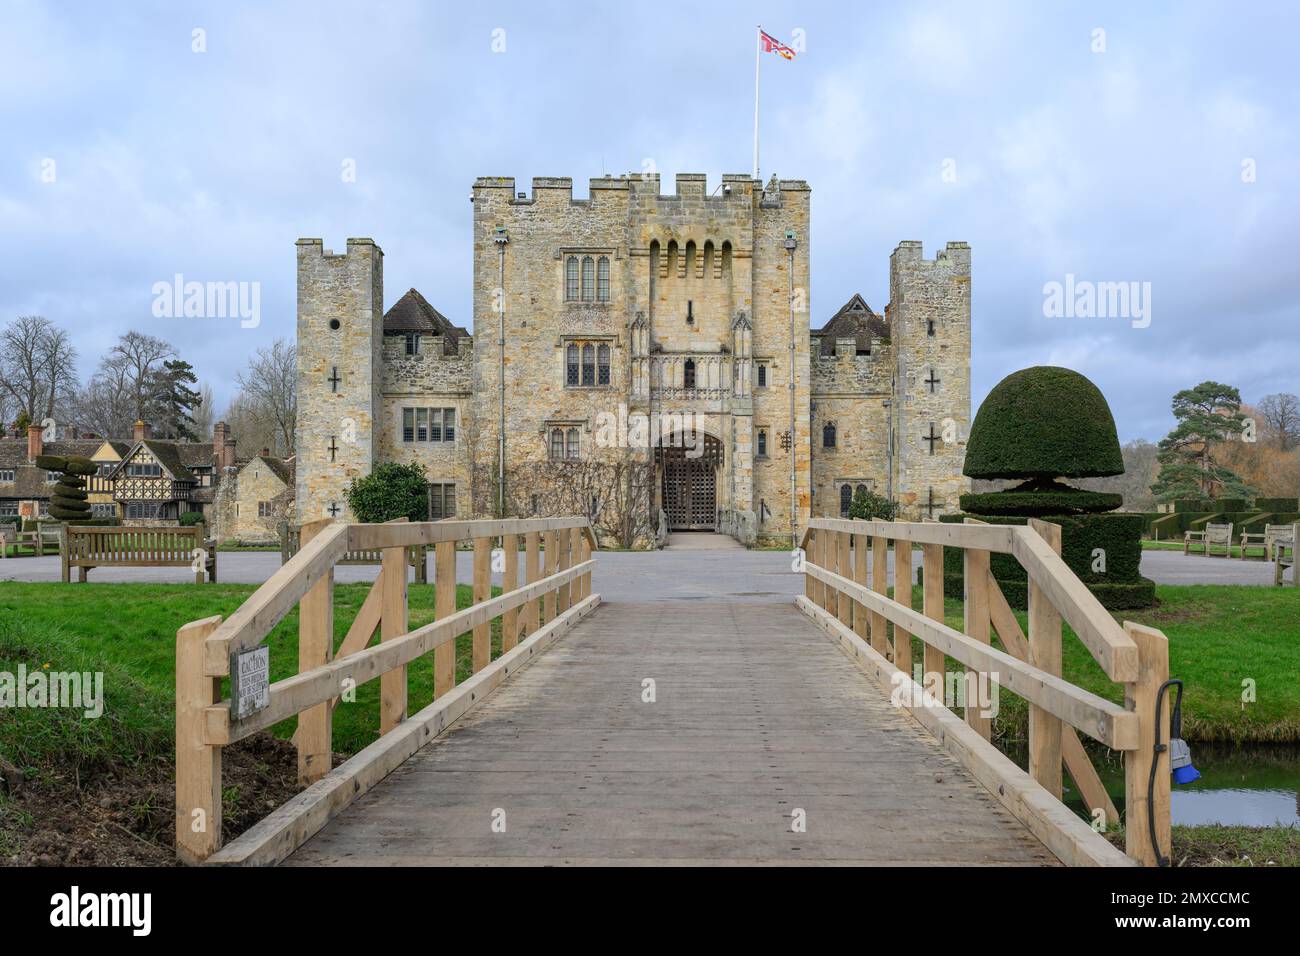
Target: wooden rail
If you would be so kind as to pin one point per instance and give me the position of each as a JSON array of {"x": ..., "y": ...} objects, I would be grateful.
[
  {"x": 89, "y": 547},
  {"x": 533, "y": 611},
  {"x": 291, "y": 541},
  {"x": 839, "y": 558}
]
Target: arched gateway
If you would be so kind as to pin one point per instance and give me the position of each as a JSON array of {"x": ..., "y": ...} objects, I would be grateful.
[{"x": 688, "y": 482}]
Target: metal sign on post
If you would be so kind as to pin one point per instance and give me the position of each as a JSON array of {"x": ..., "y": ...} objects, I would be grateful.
[{"x": 250, "y": 681}]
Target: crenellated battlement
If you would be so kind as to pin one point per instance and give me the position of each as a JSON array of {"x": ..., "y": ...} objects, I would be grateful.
[
  {"x": 558, "y": 190},
  {"x": 355, "y": 246}
]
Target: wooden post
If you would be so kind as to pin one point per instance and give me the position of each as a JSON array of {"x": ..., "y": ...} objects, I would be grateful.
[
  {"x": 315, "y": 647},
  {"x": 393, "y": 624},
  {"x": 845, "y": 565},
  {"x": 828, "y": 558},
  {"x": 551, "y": 543},
  {"x": 811, "y": 586},
  {"x": 563, "y": 597},
  {"x": 532, "y": 574},
  {"x": 1140, "y": 697},
  {"x": 482, "y": 592},
  {"x": 932, "y": 603},
  {"x": 861, "y": 625},
  {"x": 444, "y": 605},
  {"x": 975, "y": 573},
  {"x": 879, "y": 584},
  {"x": 198, "y": 546},
  {"x": 1045, "y": 653},
  {"x": 583, "y": 554},
  {"x": 903, "y": 595},
  {"x": 198, "y": 765},
  {"x": 509, "y": 582},
  {"x": 64, "y": 555}
]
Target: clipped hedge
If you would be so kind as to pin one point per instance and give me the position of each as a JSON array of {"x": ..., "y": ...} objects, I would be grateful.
[
  {"x": 1035, "y": 503},
  {"x": 1043, "y": 422},
  {"x": 1193, "y": 506},
  {"x": 190, "y": 518},
  {"x": 1278, "y": 504},
  {"x": 1117, "y": 533},
  {"x": 1227, "y": 505}
]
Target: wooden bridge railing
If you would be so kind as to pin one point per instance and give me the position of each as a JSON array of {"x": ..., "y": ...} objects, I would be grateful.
[
  {"x": 859, "y": 611},
  {"x": 291, "y": 541},
  {"x": 555, "y": 591}
]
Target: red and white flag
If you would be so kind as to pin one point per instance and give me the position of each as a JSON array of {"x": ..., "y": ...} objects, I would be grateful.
[{"x": 772, "y": 45}]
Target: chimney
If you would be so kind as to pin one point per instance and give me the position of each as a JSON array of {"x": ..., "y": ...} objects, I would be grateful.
[
  {"x": 35, "y": 442},
  {"x": 141, "y": 430},
  {"x": 218, "y": 445},
  {"x": 230, "y": 453},
  {"x": 266, "y": 453}
]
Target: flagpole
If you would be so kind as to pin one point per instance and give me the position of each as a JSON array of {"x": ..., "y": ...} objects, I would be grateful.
[{"x": 758, "y": 45}]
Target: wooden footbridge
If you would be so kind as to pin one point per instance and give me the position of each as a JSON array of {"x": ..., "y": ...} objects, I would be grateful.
[{"x": 633, "y": 734}]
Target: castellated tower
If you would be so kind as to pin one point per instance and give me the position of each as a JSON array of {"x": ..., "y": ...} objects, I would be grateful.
[
  {"x": 340, "y": 335},
  {"x": 930, "y": 320}
]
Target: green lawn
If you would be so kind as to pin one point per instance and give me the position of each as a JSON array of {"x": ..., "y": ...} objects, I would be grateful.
[
  {"x": 1254, "y": 552},
  {"x": 128, "y": 631},
  {"x": 1219, "y": 636}
]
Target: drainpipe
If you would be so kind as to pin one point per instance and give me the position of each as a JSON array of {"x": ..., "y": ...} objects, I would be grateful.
[
  {"x": 790, "y": 245},
  {"x": 501, "y": 239}
]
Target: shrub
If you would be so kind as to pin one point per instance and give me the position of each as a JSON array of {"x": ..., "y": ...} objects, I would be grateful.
[
  {"x": 870, "y": 506},
  {"x": 390, "y": 491},
  {"x": 1035, "y": 503},
  {"x": 1277, "y": 504},
  {"x": 1044, "y": 422},
  {"x": 191, "y": 518}
]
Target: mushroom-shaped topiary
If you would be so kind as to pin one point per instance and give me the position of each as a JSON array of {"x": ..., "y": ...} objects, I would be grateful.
[{"x": 1044, "y": 423}]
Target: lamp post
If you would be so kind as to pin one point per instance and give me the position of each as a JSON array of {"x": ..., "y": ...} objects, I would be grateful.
[{"x": 790, "y": 245}]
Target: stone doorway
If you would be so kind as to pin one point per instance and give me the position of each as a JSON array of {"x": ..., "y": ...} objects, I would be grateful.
[{"x": 689, "y": 485}]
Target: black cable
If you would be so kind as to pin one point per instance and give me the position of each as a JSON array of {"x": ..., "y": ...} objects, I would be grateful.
[{"x": 1160, "y": 748}]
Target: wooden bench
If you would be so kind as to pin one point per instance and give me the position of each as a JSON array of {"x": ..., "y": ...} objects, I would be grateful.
[
  {"x": 8, "y": 538},
  {"x": 1214, "y": 535},
  {"x": 1266, "y": 540},
  {"x": 1284, "y": 556},
  {"x": 84, "y": 548},
  {"x": 418, "y": 558}
]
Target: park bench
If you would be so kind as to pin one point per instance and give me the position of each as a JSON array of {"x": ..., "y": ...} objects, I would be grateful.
[
  {"x": 418, "y": 557},
  {"x": 1214, "y": 535},
  {"x": 122, "y": 547},
  {"x": 1284, "y": 556},
  {"x": 1272, "y": 534},
  {"x": 8, "y": 537}
]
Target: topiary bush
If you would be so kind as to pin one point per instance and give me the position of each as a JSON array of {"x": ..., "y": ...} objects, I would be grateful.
[
  {"x": 1042, "y": 424},
  {"x": 1277, "y": 504},
  {"x": 191, "y": 518},
  {"x": 68, "y": 502},
  {"x": 390, "y": 491}
]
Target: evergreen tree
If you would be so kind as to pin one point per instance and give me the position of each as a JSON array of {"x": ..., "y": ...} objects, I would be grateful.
[
  {"x": 1208, "y": 415},
  {"x": 176, "y": 401}
]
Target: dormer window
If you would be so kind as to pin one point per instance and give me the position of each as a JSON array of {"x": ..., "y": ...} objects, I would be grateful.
[{"x": 412, "y": 343}]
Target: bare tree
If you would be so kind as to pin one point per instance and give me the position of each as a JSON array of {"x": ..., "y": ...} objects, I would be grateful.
[
  {"x": 252, "y": 429},
  {"x": 269, "y": 391},
  {"x": 37, "y": 366},
  {"x": 204, "y": 415},
  {"x": 137, "y": 360},
  {"x": 1281, "y": 414}
]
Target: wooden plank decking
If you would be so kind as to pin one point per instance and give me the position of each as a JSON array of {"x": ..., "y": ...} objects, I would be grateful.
[{"x": 757, "y": 714}]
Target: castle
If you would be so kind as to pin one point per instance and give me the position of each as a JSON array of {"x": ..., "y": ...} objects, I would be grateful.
[{"x": 689, "y": 312}]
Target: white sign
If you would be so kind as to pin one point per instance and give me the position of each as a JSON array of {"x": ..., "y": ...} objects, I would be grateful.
[{"x": 250, "y": 681}]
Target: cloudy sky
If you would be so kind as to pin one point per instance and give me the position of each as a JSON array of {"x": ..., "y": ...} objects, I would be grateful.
[{"x": 1114, "y": 142}]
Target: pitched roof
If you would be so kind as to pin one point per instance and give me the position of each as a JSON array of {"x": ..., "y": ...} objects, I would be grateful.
[
  {"x": 413, "y": 313},
  {"x": 166, "y": 454},
  {"x": 855, "y": 319},
  {"x": 283, "y": 470},
  {"x": 13, "y": 451}
]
